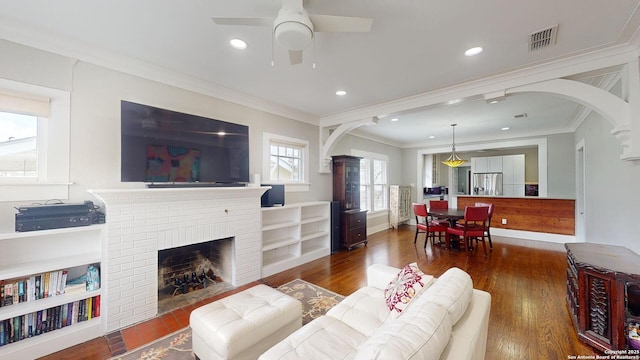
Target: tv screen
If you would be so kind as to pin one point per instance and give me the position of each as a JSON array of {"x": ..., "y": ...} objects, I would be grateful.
[{"x": 163, "y": 146}]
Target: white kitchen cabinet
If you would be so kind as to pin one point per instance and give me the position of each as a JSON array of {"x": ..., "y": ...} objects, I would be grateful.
[
  {"x": 507, "y": 170},
  {"x": 479, "y": 165},
  {"x": 513, "y": 175},
  {"x": 518, "y": 170},
  {"x": 494, "y": 164}
]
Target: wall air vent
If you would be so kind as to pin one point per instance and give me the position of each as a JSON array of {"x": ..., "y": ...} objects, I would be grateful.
[
  {"x": 520, "y": 116},
  {"x": 543, "y": 38}
]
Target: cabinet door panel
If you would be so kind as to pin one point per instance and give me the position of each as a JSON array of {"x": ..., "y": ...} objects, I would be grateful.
[{"x": 494, "y": 164}]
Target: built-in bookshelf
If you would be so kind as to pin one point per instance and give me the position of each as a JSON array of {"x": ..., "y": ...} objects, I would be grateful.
[
  {"x": 41, "y": 309},
  {"x": 294, "y": 234}
]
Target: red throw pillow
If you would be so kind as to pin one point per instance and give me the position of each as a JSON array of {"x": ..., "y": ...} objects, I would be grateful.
[{"x": 407, "y": 284}]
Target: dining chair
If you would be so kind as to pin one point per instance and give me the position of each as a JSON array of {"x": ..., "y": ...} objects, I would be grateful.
[
  {"x": 424, "y": 225},
  {"x": 490, "y": 206},
  {"x": 474, "y": 227},
  {"x": 439, "y": 204}
]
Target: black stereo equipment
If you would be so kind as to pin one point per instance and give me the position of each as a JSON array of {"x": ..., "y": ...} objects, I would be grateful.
[
  {"x": 54, "y": 216},
  {"x": 273, "y": 196}
]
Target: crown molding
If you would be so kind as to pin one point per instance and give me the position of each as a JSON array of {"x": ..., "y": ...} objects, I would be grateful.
[
  {"x": 37, "y": 38},
  {"x": 533, "y": 74}
]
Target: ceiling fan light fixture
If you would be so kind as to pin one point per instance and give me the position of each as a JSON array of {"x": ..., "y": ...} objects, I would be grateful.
[
  {"x": 293, "y": 35},
  {"x": 454, "y": 160}
]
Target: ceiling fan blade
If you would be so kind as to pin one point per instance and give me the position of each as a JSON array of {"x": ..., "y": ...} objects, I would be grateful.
[
  {"x": 295, "y": 57},
  {"x": 244, "y": 21},
  {"x": 330, "y": 23}
]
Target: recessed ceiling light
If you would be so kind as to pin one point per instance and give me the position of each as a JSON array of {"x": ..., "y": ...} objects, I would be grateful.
[
  {"x": 341, "y": 93},
  {"x": 395, "y": 119},
  {"x": 473, "y": 51},
  {"x": 238, "y": 44},
  {"x": 432, "y": 137},
  {"x": 505, "y": 128}
]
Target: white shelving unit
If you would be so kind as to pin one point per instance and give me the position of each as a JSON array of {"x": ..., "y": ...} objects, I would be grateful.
[
  {"x": 30, "y": 253},
  {"x": 294, "y": 234}
]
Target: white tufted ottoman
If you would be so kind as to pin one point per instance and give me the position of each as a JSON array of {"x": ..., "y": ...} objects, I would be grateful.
[{"x": 244, "y": 325}]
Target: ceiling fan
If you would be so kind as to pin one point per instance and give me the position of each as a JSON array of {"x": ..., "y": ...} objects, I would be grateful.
[{"x": 294, "y": 27}]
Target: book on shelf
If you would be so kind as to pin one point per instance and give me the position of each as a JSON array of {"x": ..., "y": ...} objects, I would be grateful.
[
  {"x": 40, "y": 286},
  {"x": 50, "y": 319},
  {"x": 75, "y": 288}
]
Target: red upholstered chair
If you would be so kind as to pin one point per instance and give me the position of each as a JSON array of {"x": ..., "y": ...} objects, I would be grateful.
[
  {"x": 424, "y": 225},
  {"x": 475, "y": 223},
  {"x": 439, "y": 204},
  {"x": 490, "y": 206}
]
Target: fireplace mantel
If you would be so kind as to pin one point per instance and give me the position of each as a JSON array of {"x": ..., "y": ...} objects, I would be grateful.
[
  {"x": 140, "y": 222},
  {"x": 117, "y": 196}
]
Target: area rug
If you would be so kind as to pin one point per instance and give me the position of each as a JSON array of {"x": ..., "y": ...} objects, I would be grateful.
[{"x": 316, "y": 301}]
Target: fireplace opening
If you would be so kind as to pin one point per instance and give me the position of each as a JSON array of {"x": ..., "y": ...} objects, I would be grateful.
[{"x": 191, "y": 273}]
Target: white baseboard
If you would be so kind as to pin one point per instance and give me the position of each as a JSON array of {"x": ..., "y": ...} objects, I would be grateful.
[{"x": 531, "y": 235}]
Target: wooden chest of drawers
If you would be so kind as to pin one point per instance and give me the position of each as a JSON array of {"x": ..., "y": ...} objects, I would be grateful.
[{"x": 354, "y": 229}]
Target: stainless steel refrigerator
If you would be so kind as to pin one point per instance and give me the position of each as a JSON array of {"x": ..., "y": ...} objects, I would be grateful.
[{"x": 487, "y": 184}]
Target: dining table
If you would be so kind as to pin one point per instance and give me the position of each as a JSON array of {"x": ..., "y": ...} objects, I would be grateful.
[{"x": 451, "y": 215}]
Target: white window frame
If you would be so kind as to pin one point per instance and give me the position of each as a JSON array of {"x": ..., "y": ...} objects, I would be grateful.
[
  {"x": 381, "y": 157},
  {"x": 52, "y": 181},
  {"x": 290, "y": 186}
]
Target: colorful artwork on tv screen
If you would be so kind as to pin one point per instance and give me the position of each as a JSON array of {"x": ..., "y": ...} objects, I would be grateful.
[{"x": 172, "y": 163}]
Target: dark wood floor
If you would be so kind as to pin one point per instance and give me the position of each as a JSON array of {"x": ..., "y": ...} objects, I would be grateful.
[{"x": 529, "y": 317}]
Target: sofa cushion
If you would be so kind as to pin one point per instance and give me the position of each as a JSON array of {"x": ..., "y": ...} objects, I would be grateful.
[
  {"x": 453, "y": 291},
  {"x": 364, "y": 310},
  {"x": 409, "y": 282},
  {"x": 421, "y": 332},
  {"x": 322, "y": 338}
]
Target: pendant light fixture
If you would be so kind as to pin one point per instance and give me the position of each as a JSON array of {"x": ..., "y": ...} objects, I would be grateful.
[{"x": 454, "y": 160}]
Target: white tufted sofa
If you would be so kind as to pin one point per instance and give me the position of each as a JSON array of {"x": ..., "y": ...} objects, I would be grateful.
[{"x": 447, "y": 320}]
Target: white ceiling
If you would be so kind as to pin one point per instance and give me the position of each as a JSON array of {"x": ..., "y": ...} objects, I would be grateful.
[{"x": 414, "y": 48}]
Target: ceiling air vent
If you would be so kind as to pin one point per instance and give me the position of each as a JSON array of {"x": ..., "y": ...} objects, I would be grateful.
[
  {"x": 543, "y": 38},
  {"x": 520, "y": 116}
]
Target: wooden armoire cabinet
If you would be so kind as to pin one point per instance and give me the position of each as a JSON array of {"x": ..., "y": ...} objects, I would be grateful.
[
  {"x": 603, "y": 293},
  {"x": 346, "y": 191}
]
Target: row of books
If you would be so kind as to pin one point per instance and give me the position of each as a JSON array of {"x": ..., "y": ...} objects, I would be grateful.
[
  {"x": 46, "y": 320},
  {"x": 33, "y": 288}
]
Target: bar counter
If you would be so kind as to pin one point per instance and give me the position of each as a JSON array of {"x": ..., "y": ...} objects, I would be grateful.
[{"x": 529, "y": 213}]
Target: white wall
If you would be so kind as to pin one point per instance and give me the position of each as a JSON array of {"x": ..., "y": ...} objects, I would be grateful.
[
  {"x": 349, "y": 142},
  {"x": 95, "y": 120},
  {"x": 611, "y": 187},
  {"x": 561, "y": 166}
]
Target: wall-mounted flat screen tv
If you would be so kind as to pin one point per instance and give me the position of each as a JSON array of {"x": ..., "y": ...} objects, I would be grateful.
[{"x": 160, "y": 146}]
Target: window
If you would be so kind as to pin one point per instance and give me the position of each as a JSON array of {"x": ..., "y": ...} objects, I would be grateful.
[
  {"x": 18, "y": 145},
  {"x": 34, "y": 142},
  {"x": 374, "y": 184},
  {"x": 285, "y": 161}
]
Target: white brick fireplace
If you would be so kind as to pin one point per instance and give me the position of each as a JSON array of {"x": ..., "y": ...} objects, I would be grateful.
[{"x": 142, "y": 221}]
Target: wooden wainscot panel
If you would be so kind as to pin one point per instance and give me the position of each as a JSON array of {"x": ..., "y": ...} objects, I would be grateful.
[{"x": 555, "y": 216}]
